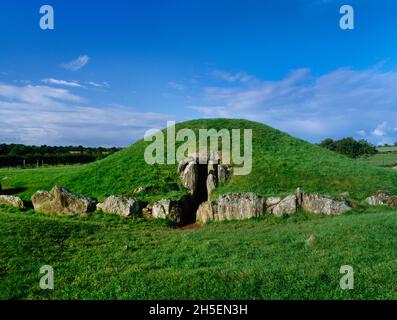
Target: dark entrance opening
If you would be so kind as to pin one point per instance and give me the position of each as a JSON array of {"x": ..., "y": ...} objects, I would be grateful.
[{"x": 200, "y": 194}]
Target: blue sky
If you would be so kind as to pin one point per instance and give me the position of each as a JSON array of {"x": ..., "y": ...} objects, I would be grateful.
[{"x": 113, "y": 69}]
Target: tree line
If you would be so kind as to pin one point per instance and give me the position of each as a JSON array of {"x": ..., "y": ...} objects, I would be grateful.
[
  {"x": 349, "y": 147},
  {"x": 19, "y": 155}
]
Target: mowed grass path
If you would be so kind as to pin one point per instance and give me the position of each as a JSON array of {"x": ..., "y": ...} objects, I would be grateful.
[{"x": 108, "y": 257}]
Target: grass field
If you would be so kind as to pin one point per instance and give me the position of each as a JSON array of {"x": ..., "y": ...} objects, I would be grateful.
[
  {"x": 24, "y": 182},
  {"x": 387, "y": 157},
  {"x": 387, "y": 149},
  {"x": 381, "y": 160},
  {"x": 107, "y": 257}
]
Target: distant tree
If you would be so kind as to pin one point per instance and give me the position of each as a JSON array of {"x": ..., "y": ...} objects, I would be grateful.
[
  {"x": 349, "y": 147},
  {"x": 327, "y": 143}
]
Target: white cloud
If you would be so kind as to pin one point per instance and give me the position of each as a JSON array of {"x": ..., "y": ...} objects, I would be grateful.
[
  {"x": 45, "y": 115},
  {"x": 361, "y": 133},
  {"x": 76, "y": 64},
  {"x": 176, "y": 86},
  {"x": 231, "y": 77},
  {"x": 61, "y": 82},
  {"x": 37, "y": 95},
  {"x": 377, "y": 132},
  {"x": 380, "y": 130},
  {"x": 98, "y": 85},
  {"x": 74, "y": 83},
  {"x": 335, "y": 104}
]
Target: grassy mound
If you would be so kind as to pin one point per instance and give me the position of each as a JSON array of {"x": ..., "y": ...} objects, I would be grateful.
[
  {"x": 281, "y": 163},
  {"x": 108, "y": 257}
]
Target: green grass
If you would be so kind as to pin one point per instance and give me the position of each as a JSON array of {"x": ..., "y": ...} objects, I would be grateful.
[
  {"x": 281, "y": 163},
  {"x": 24, "y": 182},
  {"x": 107, "y": 257},
  {"x": 381, "y": 160},
  {"x": 387, "y": 149}
]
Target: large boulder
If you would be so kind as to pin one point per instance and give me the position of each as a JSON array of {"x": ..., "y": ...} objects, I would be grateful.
[
  {"x": 288, "y": 205},
  {"x": 121, "y": 206},
  {"x": 147, "y": 211},
  {"x": 231, "y": 206},
  {"x": 382, "y": 198},
  {"x": 238, "y": 206},
  {"x": 188, "y": 172},
  {"x": 60, "y": 201},
  {"x": 205, "y": 212},
  {"x": 324, "y": 204},
  {"x": 167, "y": 209},
  {"x": 12, "y": 201},
  {"x": 379, "y": 198},
  {"x": 271, "y": 202}
]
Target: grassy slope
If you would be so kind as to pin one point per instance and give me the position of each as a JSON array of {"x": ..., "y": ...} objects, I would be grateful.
[
  {"x": 104, "y": 256},
  {"x": 281, "y": 163}
]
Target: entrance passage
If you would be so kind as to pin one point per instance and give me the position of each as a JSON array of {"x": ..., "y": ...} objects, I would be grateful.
[
  {"x": 200, "y": 179},
  {"x": 201, "y": 193}
]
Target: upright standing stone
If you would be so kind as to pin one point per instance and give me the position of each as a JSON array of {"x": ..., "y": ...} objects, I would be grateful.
[
  {"x": 211, "y": 184},
  {"x": 205, "y": 212}
]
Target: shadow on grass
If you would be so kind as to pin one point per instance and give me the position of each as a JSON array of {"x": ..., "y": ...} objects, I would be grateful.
[{"x": 12, "y": 191}]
